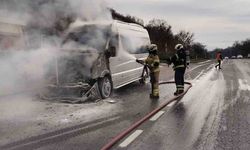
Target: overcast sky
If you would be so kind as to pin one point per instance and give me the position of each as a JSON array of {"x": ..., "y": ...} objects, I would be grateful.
[{"x": 215, "y": 23}]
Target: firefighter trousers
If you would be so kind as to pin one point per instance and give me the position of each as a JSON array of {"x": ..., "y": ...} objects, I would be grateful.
[
  {"x": 154, "y": 79},
  {"x": 179, "y": 78}
]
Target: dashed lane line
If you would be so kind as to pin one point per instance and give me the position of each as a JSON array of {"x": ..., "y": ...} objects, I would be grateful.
[
  {"x": 131, "y": 138},
  {"x": 157, "y": 116}
]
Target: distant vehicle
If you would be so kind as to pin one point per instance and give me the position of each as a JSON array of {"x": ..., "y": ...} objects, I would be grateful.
[
  {"x": 239, "y": 56},
  {"x": 248, "y": 56},
  {"x": 233, "y": 57},
  {"x": 226, "y": 58},
  {"x": 105, "y": 57}
]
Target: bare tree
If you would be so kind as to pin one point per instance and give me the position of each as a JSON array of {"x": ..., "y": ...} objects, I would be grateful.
[
  {"x": 160, "y": 33},
  {"x": 198, "y": 51},
  {"x": 185, "y": 37}
]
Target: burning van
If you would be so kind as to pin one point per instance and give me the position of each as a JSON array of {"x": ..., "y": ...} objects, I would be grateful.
[{"x": 96, "y": 58}]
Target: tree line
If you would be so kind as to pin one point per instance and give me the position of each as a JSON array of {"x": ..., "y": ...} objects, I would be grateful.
[
  {"x": 161, "y": 34},
  {"x": 238, "y": 48}
]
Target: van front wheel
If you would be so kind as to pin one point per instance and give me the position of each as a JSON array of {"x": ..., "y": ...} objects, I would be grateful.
[{"x": 105, "y": 87}]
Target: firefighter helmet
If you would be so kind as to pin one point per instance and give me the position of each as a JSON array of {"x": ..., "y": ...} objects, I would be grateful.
[
  {"x": 178, "y": 47},
  {"x": 152, "y": 48}
]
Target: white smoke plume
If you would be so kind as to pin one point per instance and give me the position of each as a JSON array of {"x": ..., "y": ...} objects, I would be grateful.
[
  {"x": 46, "y": 21},
  {"x": 46, "y": 12}
]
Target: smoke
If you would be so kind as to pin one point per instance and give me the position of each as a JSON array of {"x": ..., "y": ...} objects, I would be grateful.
[
  {"x": 45, "y": 24},
  {"x": 47, "y": 32},
  {"x": 46, "y": 12},
  {"x": 22, "y": 71}
]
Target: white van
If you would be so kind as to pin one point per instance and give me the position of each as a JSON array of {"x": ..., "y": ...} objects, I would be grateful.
[
  {"x": 239, "y": 56},
  {"x": 105, "y": 53}
]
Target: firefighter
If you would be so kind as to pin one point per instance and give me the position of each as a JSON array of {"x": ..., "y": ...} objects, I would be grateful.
[
  {"x": 153, "y": 63},
  {"x": 180, "y": 64},
  {"x": 219, "y": 59}
]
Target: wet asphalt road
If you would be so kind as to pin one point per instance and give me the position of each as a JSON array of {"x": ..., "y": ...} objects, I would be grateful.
[{"x": 213, "y": 115}]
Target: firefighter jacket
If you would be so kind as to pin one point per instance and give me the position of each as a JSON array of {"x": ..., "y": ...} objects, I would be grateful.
[
  {"x": 153, "y": 63},
  {"x": 179, "y": 60}
]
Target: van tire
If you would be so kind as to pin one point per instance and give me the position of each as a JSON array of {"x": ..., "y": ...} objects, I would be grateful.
[{"x": 105, "y": 86}]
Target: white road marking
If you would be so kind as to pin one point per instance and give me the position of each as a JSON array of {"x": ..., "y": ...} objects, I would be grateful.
[
  {"x": 191, "y": 69},
  {"x": 199, "y": 75},
  {"x": 204, "y": 62},
  {"x": 131, "y": 138},
  {"x": 200, "y": 64},
  {"x": 156, "y": 116}
]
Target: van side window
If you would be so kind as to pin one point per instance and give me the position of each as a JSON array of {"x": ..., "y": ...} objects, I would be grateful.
[{"x": 133, "y": 44}]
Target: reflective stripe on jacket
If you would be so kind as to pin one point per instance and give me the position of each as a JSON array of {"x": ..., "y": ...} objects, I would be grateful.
[{"x": 179, "y": 60}]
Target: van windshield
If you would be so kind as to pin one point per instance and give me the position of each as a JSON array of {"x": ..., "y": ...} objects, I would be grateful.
[{"x": 94, "y": 36}]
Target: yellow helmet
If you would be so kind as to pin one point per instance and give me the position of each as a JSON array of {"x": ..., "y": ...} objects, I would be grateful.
[
  {"x": 178, "y": 47},
  {"x": 152, "y": 48}
]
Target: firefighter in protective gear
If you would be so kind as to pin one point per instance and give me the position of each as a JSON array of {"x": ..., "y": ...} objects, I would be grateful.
[
  {"x": 153, "y": 63},
  {"x": 180, "y": 64},
  {"x": 219, "y": 59}
]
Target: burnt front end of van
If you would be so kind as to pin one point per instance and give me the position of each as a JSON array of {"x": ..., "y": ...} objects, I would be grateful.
[{"x": 73, "y": 75}]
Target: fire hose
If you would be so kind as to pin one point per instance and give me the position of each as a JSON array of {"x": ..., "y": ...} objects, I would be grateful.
[{"x": 124, "y": 133}]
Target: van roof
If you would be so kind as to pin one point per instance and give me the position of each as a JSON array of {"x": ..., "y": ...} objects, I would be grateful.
[
  {"x": 79, "y": 23},
  {"x": 130, "y": 24},
  {"x": 120, "y": 24}
]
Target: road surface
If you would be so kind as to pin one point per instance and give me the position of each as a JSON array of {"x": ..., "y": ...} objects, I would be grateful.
[{"x": 214, "y": 114}]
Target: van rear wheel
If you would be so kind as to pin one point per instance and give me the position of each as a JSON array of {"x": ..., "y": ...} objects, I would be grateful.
[{"x": 105, "y": 86}]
